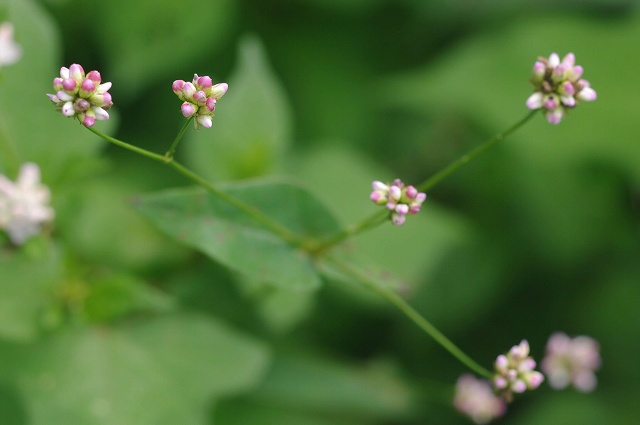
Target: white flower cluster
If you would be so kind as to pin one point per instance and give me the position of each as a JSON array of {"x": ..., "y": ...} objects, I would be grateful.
[{"x": 24, "y": 205}]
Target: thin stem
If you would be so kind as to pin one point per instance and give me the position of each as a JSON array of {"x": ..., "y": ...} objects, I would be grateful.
[
  {"x": 432, "y": 181},
  {"x": 255, "y": 213},
  {"x": 398, "y": 302},
  {"x": 375, "y": 219},
  {"x": 174, "y": 145},
  {"x": 130, "y": 147}
]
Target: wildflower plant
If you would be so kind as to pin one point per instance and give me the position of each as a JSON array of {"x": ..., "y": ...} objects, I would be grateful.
[
  {"x": 277, "y": 239},
  {"x": 559, "y": 87}
]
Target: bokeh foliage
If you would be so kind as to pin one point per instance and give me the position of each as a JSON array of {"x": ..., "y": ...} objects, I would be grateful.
[{"x": 120, "y": 316}]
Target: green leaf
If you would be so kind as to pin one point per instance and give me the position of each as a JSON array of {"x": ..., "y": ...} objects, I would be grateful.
[
  {"x": 116, "y": 296},
  {"x": 30, "y": 127},
  {"x": 234, "y": 239},
  {"x": 252, "y": 127},
  {"x": 96, "y": 219},
  {"x": 160, "y": 371},
  {"x": 26, "y": 275},
  {"x": 307, "y": 382}
]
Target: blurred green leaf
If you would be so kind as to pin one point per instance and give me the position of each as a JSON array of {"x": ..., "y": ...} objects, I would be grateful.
[
  {"x": 234, "y": 239},
  {"x": 302, "y": 382},
  {"x": 253, "y": 124},
  {"x": 30, "y": 127},
  {"x": 165, "y": 370},
  {"x": 116, "y": 296},
  {"x": 280, "y": 308},
  {"x": 26, "y": 277},
  {"x": 97, "y": 220},
  {"x": 248, "y": 412}
]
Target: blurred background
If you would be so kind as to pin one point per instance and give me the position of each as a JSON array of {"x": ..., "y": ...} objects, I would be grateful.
[{"x": 108, "y": 321}]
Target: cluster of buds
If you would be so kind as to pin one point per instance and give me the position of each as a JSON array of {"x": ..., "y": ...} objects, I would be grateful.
[
  {"x": 24, "y": 205},
  {"x": 199, "y": 98},
  {"x": 81, "y": 96},
  {"x": 476, "y": 399},
  {"x": 399, "y": 199},
  {"x": 571, "y": 361},
  {"x": 515, "y": 372},
  {"x": 10, "y": 51},
  {"x": 558, "y": 86}
]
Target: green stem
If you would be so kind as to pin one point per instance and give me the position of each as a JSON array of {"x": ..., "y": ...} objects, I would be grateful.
[
  {"x": 255, "y": 213},
  {"x": 398, "y": 302},
  {"x": 375, "y": 219},
  {"x": 174, "y": 145},
  {"x": 127, "y": 146},
  {"x": 432, "y": 181}
]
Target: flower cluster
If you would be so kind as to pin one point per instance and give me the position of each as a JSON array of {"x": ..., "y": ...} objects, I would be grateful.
[
  {"x": 476, "y": 399},
  {"x": 399, "y": 199},
  {"x": 10, "y": 51},
  {"x": 24, "y": 205},
  {"x": 571, "y": 361},
  {"x": 81, "y": 96},
  {"x": 515, "y": 372},
  {"x": 558, "y": 86},
  {"x": 199, "y": 98}
]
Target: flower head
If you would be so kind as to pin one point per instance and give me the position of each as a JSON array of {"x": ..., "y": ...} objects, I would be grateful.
[
  {"x": 199, "y": 98},
  {"x": 399, "y": 199},
  {"x": 10, "y": 51},
  {"x": 515, "y": 372},
  {"x": 475, "y": 398},
  {"x": 24, "y": 205},
  {"x": 558, "y": 86},
  {"x": 571, "y": 361},
  {"x": 82, "y": 96}
]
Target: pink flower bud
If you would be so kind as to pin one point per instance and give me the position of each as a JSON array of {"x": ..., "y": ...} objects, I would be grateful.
[
  {"x": 82, "y": 105},
  {"x": 210, "y": 103},
  {"x": 76, "y": 72},
  {"x": 204, "y": 82},
  {"x": 177, "y": 86},
  {"x": 57, "y": 84},
  {"x": 88, "y": 120},
  {"x": 219, "y": 90},
  {"x": 397, "y": 219},
  {"x": 68, "y": 110},
  {"x": 94, "y": 76},
  {"x": 87, "y": 87},
  {"x": 188, "y": 109},
  {"x": 100, "y": 113},
  {"x": 205, "y": 121},
  {"x": 69, "y": 84},
  {"x": 411, "y": 192},
  {"x": 199, "y": 97},
  {"x": 402, "y": 209}
]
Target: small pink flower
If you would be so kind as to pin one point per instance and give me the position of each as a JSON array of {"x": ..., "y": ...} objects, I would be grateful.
[
  {"x": 81, "y": 96},
  {"x": 515, "y": 372},
  {"x": 475, "y": 398},
  {"x": 558, "y": 86},
  {"x": 398, "y": 199},
  {"x": 199, "y": 98},
  {"x": 571, "y": 361}
]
